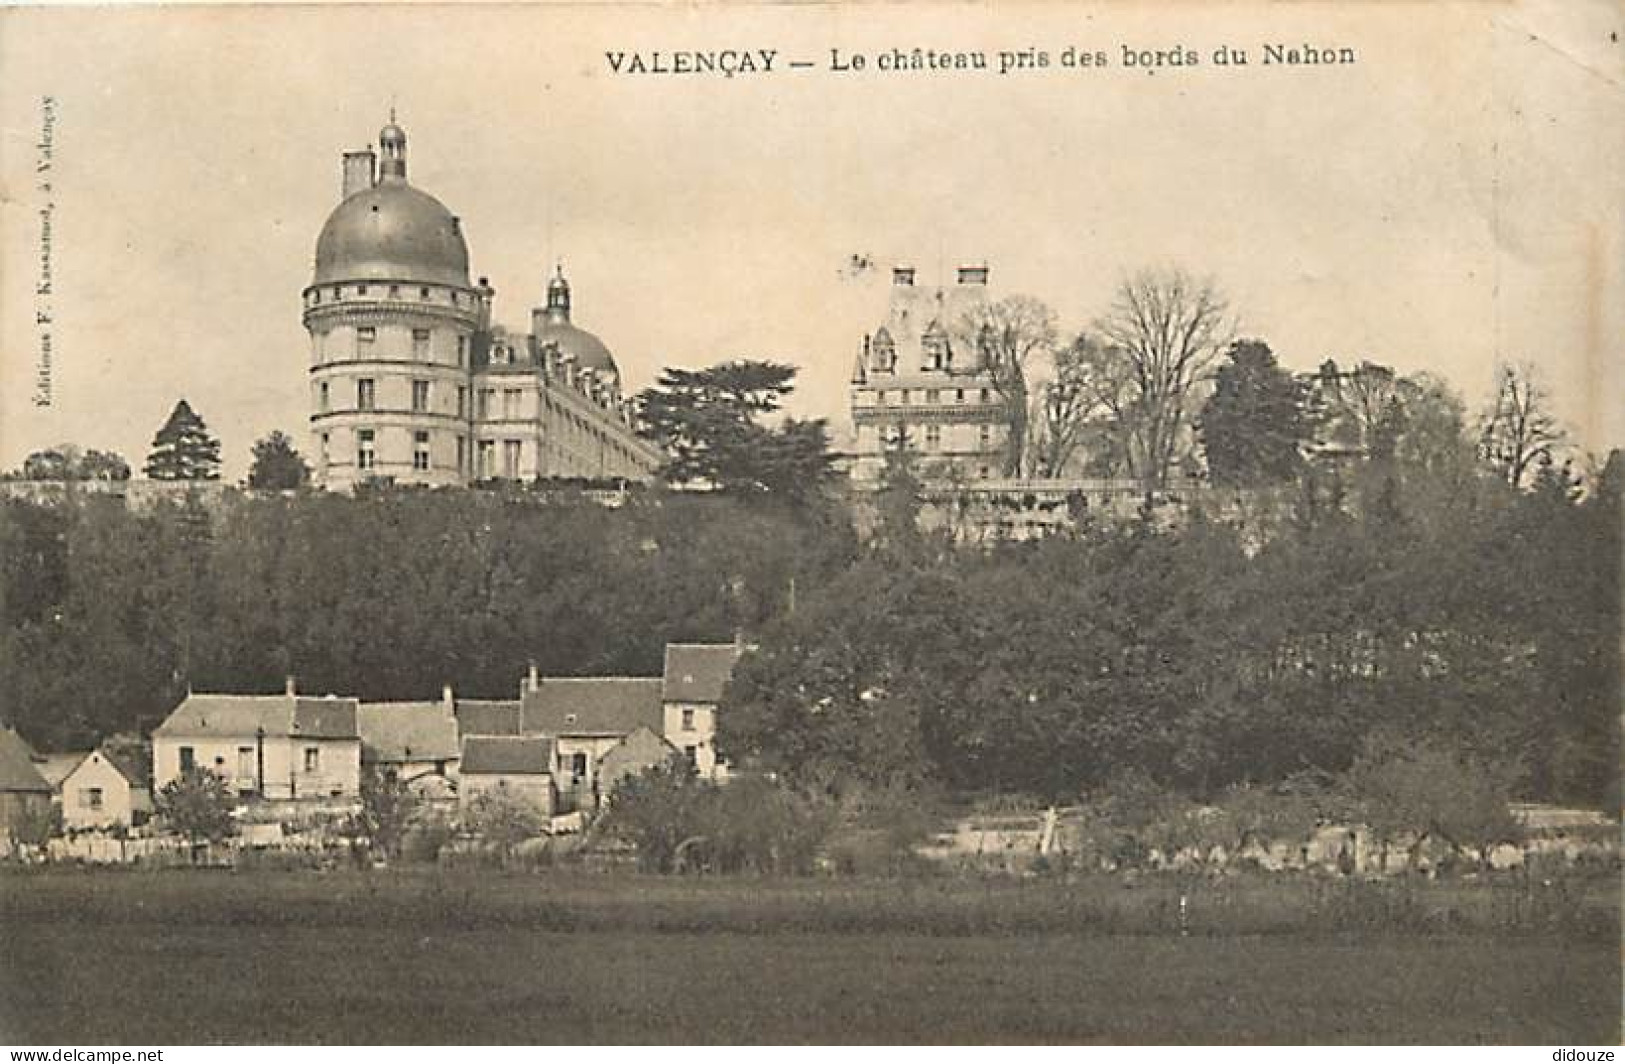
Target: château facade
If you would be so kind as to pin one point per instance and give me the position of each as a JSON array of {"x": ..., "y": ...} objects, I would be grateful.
[
  {"x": 920, "y": 383},
  {"x": 412, "y": 382}
]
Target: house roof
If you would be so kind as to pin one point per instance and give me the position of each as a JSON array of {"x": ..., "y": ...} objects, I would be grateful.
[
  {"x": 592, "y": 705},
  {"x": 17, "y": 771},
  {"x": 697, "y": 672},
  {"x": 205, "y": 715},
  {"x": 507, "y": 755},
  {"x": 57, "y": 767},
  {"x": 134, "y": 767},
  {"x": 641, "y": 748},
  {"x": 406, "y": 731},
  {"x": 485, "y": 717}
]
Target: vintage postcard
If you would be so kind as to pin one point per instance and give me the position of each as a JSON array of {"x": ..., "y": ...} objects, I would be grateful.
[{"x": 801, "y": 523}]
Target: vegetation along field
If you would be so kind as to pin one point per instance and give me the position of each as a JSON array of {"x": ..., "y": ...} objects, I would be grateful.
[{"x": 180, "y": 957}]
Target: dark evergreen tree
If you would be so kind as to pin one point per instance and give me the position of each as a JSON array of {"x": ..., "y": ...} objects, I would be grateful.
[
  {"x": 1253, "y": 425},
  {"x": 183, "y": 448},
  {"x": 277, "y": 465}
]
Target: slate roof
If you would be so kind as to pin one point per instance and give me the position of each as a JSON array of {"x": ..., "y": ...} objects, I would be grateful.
[
  {"x": 697, "y": 672},
  {"x": 486, "y": 717},
  {"x": 231, "y": 716},
  {"x": 406, "y": 731},
  {"x": 57, "y": 767},
  {"x": 134, "y": 767},
  {"x": 593, "y": 705},
  {"x": 507, "y": 755},
  {"x": 17, "y": 771}
]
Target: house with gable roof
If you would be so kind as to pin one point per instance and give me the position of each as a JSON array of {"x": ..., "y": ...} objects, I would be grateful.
[
  {"x": 692, "y": 683},
  {"x": 586, "y": 717},
  {"x": 282, "y": 747},
  {"x": 25, "y": 797},
  {"x": 415, "y": 742},
  {"x": 110, "y": 787},
  {"x": 521, "y": 766}
]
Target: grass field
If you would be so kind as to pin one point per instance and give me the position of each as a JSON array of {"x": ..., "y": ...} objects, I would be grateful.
[{"x": 182, "y": 957}]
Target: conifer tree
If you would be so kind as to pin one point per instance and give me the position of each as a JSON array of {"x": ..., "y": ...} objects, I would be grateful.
[{"x": 183, "y": 448}]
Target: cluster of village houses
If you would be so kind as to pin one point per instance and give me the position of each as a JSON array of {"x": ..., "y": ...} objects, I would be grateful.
[{"x": 564, "y": 745}]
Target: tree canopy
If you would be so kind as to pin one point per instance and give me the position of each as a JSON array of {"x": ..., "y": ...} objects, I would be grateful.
[
  {"x": 277, "y": 465},
  {"x": 183, "y": 449},
  {"x": 1253, "y": 427}
]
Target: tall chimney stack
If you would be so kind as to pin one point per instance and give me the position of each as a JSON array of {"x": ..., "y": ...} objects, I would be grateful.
[
  {"x": 290, "y": 687},
  {"x": 359, "y": 171},
  {"x": 533, "y": 678},
  {"x": 447, "y": 699}
]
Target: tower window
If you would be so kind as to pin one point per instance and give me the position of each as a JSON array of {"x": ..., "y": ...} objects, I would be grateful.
[
  {"x": 365, "y": 393},
  {"x": 932, "y": 396},
  {"x": 959, "y": 395},
  {"x": 394, "y": 291},
  {"x": 510, "y": 459},
  {"x": 365, "y": 337},
  {"x": 987, "y": 396},
  {"x": 338, "y": 293},
  {"x": 483, "y": 402},
  {"x": 511, "y": 398},
  {"x": 487, "y": 452},
  {"x": 462, "y": 456},
  {"x": 365, "y": 452},
  {"x": 933, "y": 437},
  {"x": 462, "y": 400},
  {"x": 322, "y": 397},
  {"x": 984, "y": 437},
  {"x": 420, "y": 450},
  {"x": 420, "y": 397},
  {"x": 315, "y": 295},
  {"x": 423, "y": 293},
  {"x": 420, "y": 343},
  {"x": 360, "y": 289},
  {"x": 462, "y": 349},
  {"x": 322, "y": 451}
]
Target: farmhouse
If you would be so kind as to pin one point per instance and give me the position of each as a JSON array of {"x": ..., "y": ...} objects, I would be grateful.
[
  {"x": 25, "y": 797},
  {"x": 587, "y": 717},
  {"x": 414, "y": 742},
  {"x": 109, "y": 788},
  {"x": 694, "y": 677},
  {"x": 284, "y": 747},
  {"x": 518, "y": 765}
]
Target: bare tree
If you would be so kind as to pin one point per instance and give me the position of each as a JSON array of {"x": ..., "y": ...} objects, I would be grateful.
[
  {"x": 1070, "y": 404},
  {"x": 1163, "y": 332},
  {"x": 1518, "y": 431},
  {"x": 1006, "y": 334}
]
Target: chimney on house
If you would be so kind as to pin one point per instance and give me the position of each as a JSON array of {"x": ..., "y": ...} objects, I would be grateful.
[
  {"x": 446, "y": 698},
  {"x": 533, "y": 679},
  {"x": 902, "y": 276},
  {"x": 359, "y": 171},
  {"x": 290, "y": 688},
  {"x": 976, "y": 275}
]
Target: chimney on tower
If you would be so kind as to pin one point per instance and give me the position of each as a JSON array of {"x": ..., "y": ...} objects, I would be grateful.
[{"x": 360, "y": 171}]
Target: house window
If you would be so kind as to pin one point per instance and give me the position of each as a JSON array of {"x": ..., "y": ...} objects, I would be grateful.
[
  {"x": 692, "y": 755},
  {"x": 688, "y": 720},
  {"x": 360, "y": 289},
  {"x": 366, "y": 391},
  {"x": 420, "y": 397},
  {"x": 987, "y": 396},
  {"x": 423, "y": 293},
  {"x": 188, "y": 758},
  {"x": 933, "y": 437},
  {"x": 90, "y": 798},
  {"x": 510, "y": 459},
  {"x": 366, "y": 454},
  {"x": 420, "y": 343},
  {"x": 578, "y": 766},
  {"x": 313, "y": 758},
  {"x": 323, "y": 397},
  {"x": 420, "y": 450},
  {"x": 245, "y": 762}
]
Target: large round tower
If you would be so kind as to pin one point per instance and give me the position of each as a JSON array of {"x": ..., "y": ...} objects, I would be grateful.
[{"x": 392, "y": 319}]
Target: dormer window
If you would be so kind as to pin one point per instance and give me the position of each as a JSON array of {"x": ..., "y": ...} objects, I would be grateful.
[
  {"x": 883, "y": 352},
  {"x": 938, "y": 353}
]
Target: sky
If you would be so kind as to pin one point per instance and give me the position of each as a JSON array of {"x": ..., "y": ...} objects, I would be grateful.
[{"x": 1450, "y": 199}]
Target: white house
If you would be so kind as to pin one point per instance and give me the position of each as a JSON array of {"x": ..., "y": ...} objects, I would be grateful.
[
  {"x": 415, "y": 742},
  {"x": 282, "y": 747},
  {"x": 520, "y": 766},
  {"x": 108, "y": 788},
  {"x": 691, "y": 688},
  {"x": 587, "y": 716}
]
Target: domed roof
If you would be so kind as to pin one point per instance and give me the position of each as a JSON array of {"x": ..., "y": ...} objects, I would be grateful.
[
  {"x": 589, "y": 351},
  {"x": 392, "y": 232}
]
